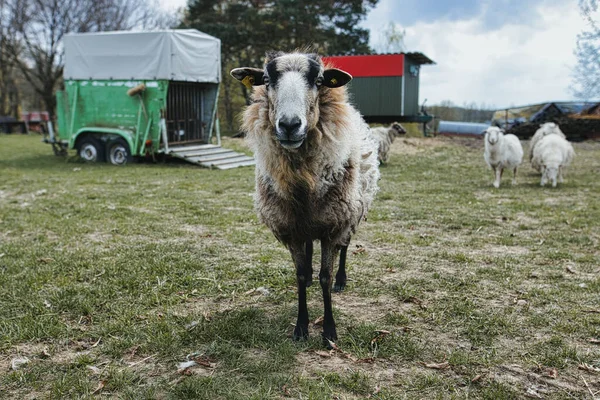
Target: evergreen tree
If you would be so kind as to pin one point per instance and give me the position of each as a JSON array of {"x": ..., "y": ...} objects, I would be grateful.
[{"x": 250, "y": 28}]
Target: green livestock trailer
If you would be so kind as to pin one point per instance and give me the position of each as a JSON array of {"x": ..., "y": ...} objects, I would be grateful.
[{"x": 137, "y": 94}]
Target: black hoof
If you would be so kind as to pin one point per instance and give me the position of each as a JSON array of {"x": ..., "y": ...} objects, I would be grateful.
[
  {"x": 300, "y": 333},
  {"x": 309, "y": 283},
  {"x": 329, "y": 339},
  {"x": 339, "y": 286}
]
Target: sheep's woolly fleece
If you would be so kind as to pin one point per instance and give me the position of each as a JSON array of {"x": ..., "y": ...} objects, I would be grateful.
[{"x": 327, "y": 184}]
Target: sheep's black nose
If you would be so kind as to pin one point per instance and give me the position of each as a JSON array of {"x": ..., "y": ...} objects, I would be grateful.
[{"x": 290, "y": 126}]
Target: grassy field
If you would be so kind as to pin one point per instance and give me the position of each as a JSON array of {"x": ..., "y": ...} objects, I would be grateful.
[{"x": 111, "y": 277}]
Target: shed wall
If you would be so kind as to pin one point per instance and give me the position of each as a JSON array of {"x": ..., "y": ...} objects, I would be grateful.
[
  {"x": 411, "y": 87},
  {"x": 377, "y": 96}
]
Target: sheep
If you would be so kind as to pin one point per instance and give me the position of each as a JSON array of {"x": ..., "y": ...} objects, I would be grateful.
[
  {"x": 502, "y": 152},
  {"x": 385, "y": 137},
  {"x": 316, "y": 167},
  {"x": 553, "y": 153},
  {"x": 548, "y": 128}
]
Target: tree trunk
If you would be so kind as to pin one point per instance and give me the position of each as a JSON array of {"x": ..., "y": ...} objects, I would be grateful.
[{"x": 50, "y": 103}]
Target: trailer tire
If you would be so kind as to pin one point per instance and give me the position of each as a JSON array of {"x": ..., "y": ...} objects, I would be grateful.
[
  {"x": 118, "y": 152},
  {"x": 90, "y": 149}
]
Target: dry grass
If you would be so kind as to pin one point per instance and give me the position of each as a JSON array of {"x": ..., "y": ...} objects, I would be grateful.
[{"x": 110, "y": 277}]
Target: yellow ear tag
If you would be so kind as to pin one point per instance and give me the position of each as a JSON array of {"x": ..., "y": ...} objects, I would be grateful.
[
  {"x": 333, "y": 81},
  {"x": 248, "y": 81}
]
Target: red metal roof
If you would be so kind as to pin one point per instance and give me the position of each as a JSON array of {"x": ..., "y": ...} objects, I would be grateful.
[{"x": 369, "y": 65}]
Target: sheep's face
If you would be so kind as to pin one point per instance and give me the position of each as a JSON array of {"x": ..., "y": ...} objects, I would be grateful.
[
  {"x": 293, "y": 82},
  {"x": 493, "y": 135},
  {"x": 399, "y": 129},
  {"x": 550, "y": 174}
]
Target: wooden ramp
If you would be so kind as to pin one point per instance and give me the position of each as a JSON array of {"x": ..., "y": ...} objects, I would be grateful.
[{"x": 211, "y": 156}]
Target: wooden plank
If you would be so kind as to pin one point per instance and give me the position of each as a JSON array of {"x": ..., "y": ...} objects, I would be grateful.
[
  {"x": 212, "y": 156},
  {"x": 224, "y": 160}
]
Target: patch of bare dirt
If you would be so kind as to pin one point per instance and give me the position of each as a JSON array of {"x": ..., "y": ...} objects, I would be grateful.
[
  {"x": 412, "y": 146},
  {"x": 540, "y": 383},
  {"x": 98, "y": 237},
  {"x": 195, "y": 230},
  {"x": 494, "y": 250},
  {"x": 60, "y": 354}
]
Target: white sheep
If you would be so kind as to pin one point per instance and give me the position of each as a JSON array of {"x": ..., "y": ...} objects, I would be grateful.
[
  {"x": 385, "y": 137},
  {"x": 548, "y": 128},
  {"x": 502, "y": 152},
  {"x": 553, "y": 153},
  {"x": 316, "y": 166}
]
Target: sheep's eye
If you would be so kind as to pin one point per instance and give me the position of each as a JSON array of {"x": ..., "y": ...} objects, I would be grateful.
[
  {"x": 266, "y": 80},
  {"x": 319, "y": 81}
]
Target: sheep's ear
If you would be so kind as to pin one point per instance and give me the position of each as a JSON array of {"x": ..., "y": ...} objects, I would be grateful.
[
  {"x": 334, "y": 78},
  {"x": 484, "y": 132},
  {"x": 249, "y": 76}
]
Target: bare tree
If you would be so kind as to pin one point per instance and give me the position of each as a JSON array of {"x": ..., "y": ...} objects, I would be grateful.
[
  {"x": 9, "y": 93},
  {"x": 586, "y": 74},
  {"x": 391, "y": 39},
  {"x": 38, "y": 27}
]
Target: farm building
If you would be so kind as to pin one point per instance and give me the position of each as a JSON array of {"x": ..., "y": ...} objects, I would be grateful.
[
  {"x": 385, "y": 87},
  {"x": 454, "y": 128},
  {"x": 578, "y": 120}
]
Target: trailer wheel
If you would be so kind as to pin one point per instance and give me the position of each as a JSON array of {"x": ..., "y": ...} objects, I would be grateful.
[
  {"x": 118, "y": 152},
  {"x": 90, "y": 149}
]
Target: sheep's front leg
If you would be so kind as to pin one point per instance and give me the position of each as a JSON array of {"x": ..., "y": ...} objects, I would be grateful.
[
  {"x": 340, "y": 277},
  {"x": 328, "y": 253},
  {"x": 298, "y": 252},
  {"x": 560, "y": 174},
  {"x": 514, "y": 181},
  {"x": 309, "y": 269},
  {"x": 498, "y": 177}
]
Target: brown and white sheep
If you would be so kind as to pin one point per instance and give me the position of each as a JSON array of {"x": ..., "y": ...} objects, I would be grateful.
[
  {"x": 385, "y": 137},
  {"x": 316, "y": 166}
]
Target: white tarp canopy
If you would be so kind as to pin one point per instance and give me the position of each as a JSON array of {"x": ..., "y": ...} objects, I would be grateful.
[{"x": 177, "y": 55}]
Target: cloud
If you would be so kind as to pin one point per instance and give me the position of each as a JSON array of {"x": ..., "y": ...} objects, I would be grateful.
[
  {"x": 519, "y": 61},
  {"x": 171, "y": 5},
  {"x": 493, "y": 12}
]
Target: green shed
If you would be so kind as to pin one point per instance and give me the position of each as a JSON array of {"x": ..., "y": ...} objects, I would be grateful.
[{"x": 385, "y": 87}]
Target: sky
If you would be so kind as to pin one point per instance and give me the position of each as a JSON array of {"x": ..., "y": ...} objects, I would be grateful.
[{"x": 500, "y": 53}]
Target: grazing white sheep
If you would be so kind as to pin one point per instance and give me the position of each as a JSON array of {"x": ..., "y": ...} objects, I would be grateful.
[
  {"x": 553, "y": 153},
  {"x": 502, "y": 152},
  {"x": 385, "y": 137},
  {"x": 548, "y": 128},
  {"x": 316, "y": 166}
]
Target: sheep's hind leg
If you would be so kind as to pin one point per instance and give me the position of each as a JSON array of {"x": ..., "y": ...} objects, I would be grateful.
[
  {"x": 328, "y": 253},
  {"x": 299, "y": 256},
  {"x": 309, "y": 269},
  {"x": 514, "y": 181},
  {"x": 340, "y": 277}
]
